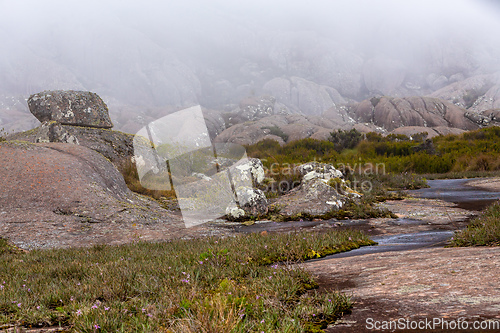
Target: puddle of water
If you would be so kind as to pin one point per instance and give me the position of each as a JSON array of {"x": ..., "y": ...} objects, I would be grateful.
[{"x": 425, "y": 238}]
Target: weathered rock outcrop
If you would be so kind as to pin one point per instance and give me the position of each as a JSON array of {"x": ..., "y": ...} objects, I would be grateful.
[
  {"x": 113, "y": 145},
  {"x": 246, "y": 176},
  {"x": 229, "y": 190},
  {"x": 79, "y": 118},
  {"x": 322, "y": 189},
  {"x": 392, "y": 113},
  {"x": 253, "y": 108},
  {"x": 493, "y": 115},
  {"x": 79, "y": 108},
  {"x": 477, "y": 93},
  {"x": 253, "y": 201},
  {"x": 250, "y": 169},
  {"x": 52, "y": 187}
]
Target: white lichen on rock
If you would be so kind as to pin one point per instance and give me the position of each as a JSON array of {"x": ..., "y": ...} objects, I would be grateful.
[
  {"x": 250, "y": 170},
  {"x": 235, "y": 212}
]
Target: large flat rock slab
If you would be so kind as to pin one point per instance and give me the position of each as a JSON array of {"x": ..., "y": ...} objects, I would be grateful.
[
  {"x": 447, "y": 283},
  {"x": 61, "y": 195}
]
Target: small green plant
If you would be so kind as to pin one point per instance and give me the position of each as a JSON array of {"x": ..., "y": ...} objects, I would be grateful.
[{"x": 335, "y": 182}]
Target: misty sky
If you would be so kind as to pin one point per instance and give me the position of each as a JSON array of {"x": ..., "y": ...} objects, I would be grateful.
[
  {"x": 166, "y": 51},
  {"x": 423, "y": 18}
]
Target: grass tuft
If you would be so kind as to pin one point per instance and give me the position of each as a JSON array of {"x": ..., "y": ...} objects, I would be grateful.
[{"x": 484, "y": 230}]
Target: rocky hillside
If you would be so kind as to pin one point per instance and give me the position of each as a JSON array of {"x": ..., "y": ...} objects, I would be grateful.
[{"x": 391, "y": 113}]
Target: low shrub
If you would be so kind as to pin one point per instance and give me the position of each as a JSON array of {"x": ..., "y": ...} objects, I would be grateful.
[{"x": 345, "y": 139}]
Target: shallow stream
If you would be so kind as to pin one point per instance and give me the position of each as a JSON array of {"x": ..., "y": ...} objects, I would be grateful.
[{"x": 451, "y": 190}]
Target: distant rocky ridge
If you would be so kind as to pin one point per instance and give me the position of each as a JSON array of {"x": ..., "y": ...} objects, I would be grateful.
[
  {"x": 281, "y": 128},
  {"x": 382, "y": 114}
]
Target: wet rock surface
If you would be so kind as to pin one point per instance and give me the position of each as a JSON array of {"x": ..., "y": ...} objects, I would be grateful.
[
  {"x": 80, "y": 108},
  {"x": 471, "y": 194},
  {"x": 413, "y": 277}
]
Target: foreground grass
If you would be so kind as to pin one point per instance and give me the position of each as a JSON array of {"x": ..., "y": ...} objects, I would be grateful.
[
  {"x": 484, "y": 230},
  {"x": 236, "y": 284}
]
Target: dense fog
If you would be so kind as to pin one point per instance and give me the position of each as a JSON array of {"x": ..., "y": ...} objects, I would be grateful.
[{"x": 154, "y": 54}]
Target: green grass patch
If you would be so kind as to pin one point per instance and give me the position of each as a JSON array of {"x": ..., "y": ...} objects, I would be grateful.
[
  {"x": 484, "y": 230},
  {"x": 244, "y": 283}
]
